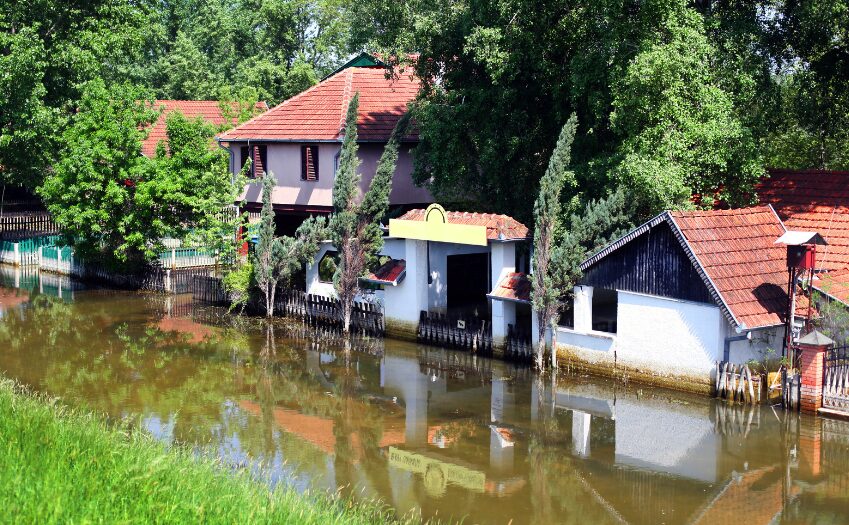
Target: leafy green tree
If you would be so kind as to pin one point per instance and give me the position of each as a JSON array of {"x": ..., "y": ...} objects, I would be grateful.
[
  {"x": 26, "y": 134},
  {"x": 354, "y": 226},
  {"x": 810, "y": 43},
  {"x": 680, "y": 134},
  {"x": 614, "y": 63},
  {"x": 111, "y": 201},
  {"x": 91, "y": 191},
  {"x": 546, "y": 285},
  {"x": 48, "y": 50}
]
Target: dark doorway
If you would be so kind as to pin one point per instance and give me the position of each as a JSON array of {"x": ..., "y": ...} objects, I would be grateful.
[{"x": 468, "y": 284}]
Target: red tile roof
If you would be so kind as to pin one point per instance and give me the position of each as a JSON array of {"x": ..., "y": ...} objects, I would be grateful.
[
  {"x": 737, "y": 251},
  {"x": 209, "y": 110},
  {"x": 318, "y": 114},
  {"x": 391, "y": 272},
  {"x": 496, "y": 225},
  {"x": 813, "y": 200},
  {"x": 835, "y": 284},
  {"x": 513, "y": 287}
]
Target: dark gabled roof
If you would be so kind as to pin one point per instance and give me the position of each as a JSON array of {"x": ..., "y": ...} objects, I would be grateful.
[
  {"x": 734, "y": 253},
  {"x": 362, "y": 60}
]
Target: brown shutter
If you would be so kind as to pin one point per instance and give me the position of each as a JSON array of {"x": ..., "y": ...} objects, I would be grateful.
[
  {"x": 309, "y": 163},
  {"x": 259, "y": 161}
]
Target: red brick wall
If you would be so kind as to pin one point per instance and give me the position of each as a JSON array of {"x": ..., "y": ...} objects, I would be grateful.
[{"x": 813, "y": 374}]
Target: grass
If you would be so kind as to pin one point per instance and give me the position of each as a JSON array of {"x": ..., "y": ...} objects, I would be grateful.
[{"x": 63, "y": 465}]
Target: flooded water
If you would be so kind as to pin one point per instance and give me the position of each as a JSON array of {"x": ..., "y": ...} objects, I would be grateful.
[{"x": 426, "y": 430}]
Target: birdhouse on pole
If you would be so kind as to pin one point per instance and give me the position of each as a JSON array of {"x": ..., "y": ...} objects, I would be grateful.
[{"x": 801, "y": 249}]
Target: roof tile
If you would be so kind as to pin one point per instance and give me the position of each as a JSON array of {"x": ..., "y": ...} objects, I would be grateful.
[
  {"x": 319, "y": 112},
  {"x": 737, "y": 250},
  {"x": 813, "y": 200},
  {"x": 498, "y": 227}
]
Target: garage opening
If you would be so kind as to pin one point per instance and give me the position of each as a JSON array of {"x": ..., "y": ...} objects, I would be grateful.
[{"x": 468, "y": 284}]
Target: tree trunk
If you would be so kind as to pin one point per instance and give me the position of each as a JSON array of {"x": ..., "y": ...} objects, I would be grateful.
[
  {"x": 540, "y": 357},
  {"x": 273, "y": 294},
  {"x": 346, "y": 316},
  {"x": 267, "y": 291}
]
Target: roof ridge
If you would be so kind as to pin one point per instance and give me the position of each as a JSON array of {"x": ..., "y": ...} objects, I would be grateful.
[
  {"x": 346, "y": 101},
  {"x": 280, "y": 105}
]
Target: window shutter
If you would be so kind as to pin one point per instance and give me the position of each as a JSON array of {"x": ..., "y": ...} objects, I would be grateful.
[
  {"x": 259, "y": 161},
  {"x": 309, "y": 163}
]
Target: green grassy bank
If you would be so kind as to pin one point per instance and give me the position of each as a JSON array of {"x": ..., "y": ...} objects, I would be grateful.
[{"x": 59, "y": 465}]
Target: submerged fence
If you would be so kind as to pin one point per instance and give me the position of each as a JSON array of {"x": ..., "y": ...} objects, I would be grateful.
[
  {"x": 473, "y": 334},
  {"x": 737, "y": 383},
  {"x": 315, "y": 310}
]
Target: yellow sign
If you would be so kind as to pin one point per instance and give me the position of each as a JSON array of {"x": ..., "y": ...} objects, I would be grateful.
[
  {"x": 437, "y": 474},
  {"x": 436, "y": 228}
]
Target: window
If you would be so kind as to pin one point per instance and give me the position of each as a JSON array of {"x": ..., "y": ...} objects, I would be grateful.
[
  {"x": 309, "y": 163},
  {"x": 259, "y": 156},
  {"x": 604, "y": 310},
  {"x": 327, "y": 267}
]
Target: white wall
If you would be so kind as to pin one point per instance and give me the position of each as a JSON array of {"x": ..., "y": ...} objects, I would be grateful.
[{"x": 668, "y": 335}]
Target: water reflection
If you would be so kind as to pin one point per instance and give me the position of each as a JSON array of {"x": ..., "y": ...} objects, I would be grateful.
[{"x": 426, "y": 430}]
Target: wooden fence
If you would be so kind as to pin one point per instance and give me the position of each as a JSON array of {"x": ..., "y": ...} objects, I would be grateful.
[
  {"x": 176, "y": 258},
  {"x": 314, "y": 310},
  {"x": 519, "y": 346},
  {"x": 474, "y": 335},
  {"x": 19, "y": 225},
  {"x": 208, "y": 289},
  {"x": 737, "y": 383},
  {"x": 366, "y": 318},
  {"x": 791, "y": 389}
]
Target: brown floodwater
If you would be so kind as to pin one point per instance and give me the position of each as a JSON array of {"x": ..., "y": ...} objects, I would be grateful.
[{"x": 428, "y": 431}]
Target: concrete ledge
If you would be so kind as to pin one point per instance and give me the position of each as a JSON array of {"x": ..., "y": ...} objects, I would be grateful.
[
  {"x": 605, "y": 364},
  {"x": 404, "y": 330},
  {"x": 836, "y": 414}
]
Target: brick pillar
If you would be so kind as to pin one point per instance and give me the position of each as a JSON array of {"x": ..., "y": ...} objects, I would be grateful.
[{"x": 813, "y": 375}]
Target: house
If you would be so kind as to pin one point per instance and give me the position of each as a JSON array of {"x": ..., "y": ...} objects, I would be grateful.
[
  {"x": 208, "y": 110},
  {"x": 680, "y": 292},
  {"x": 300, "y": 140},
  {"x": 445, "y": 262},
  {"x": 816, "y": 200}
]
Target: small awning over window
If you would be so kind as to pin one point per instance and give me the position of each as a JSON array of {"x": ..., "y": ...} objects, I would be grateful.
[
  {"x": 392, "y": 272},
  {"x": 514, "y": 287}
]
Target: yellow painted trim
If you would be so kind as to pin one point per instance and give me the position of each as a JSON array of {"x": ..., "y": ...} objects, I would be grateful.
[{"x": 436, "y": 228}]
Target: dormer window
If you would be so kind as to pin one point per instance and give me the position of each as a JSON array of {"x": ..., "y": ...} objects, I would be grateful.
[{"x": 309, "y": 162}]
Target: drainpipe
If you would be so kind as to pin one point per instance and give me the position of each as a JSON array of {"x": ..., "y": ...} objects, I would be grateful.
[
  {"x": 726, "y": 352},
  {"x": 230, "y": 162}
]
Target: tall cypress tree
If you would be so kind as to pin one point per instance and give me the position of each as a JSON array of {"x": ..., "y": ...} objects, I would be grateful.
[
  {"x": 264, "y": 259},
  {"x": 355, "y": 228},
  {"x": 547, "y": 294}
]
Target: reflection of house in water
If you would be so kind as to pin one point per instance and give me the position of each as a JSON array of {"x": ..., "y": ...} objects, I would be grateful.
[{"x": 30, "y": 279}]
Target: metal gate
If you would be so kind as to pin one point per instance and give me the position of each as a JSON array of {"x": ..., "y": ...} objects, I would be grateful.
[{"x": 836, "y": 389}]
